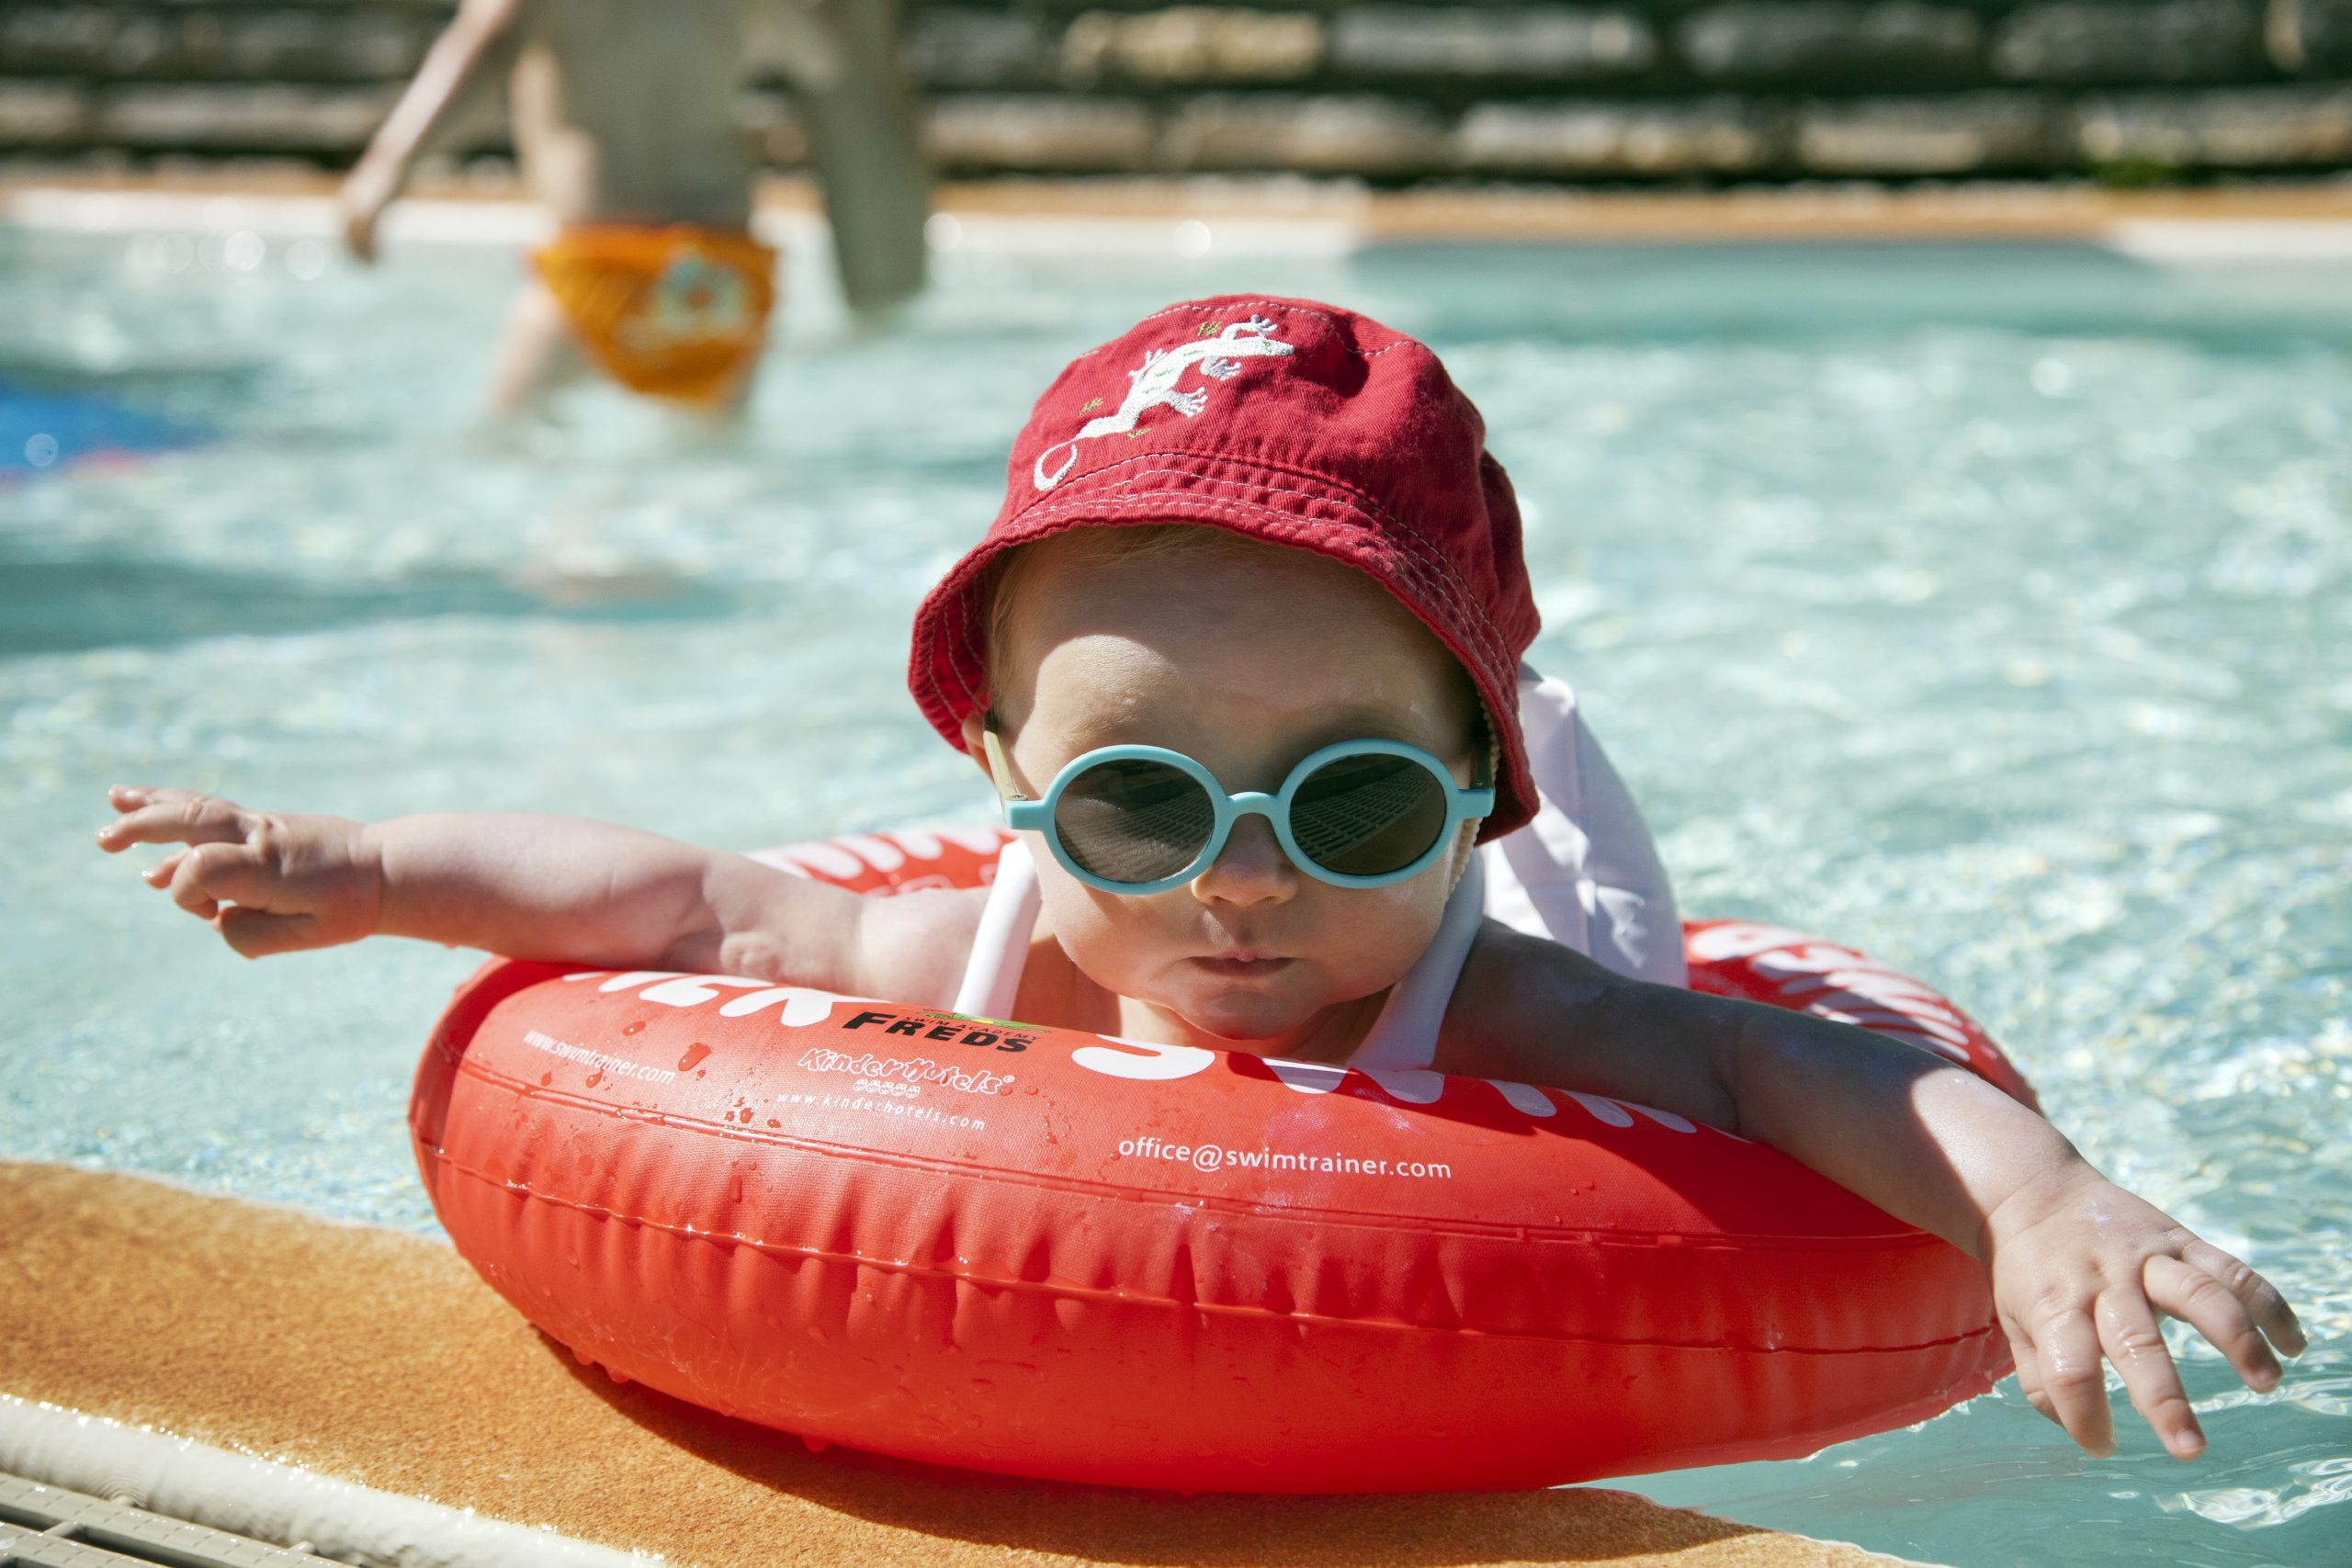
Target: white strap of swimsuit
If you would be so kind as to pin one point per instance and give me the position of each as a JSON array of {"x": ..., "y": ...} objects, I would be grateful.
[
  {"x": 1404, "y": 1036},
  {"x": 1584, "y": 871},
  {"x": 1001, "y": 946}
]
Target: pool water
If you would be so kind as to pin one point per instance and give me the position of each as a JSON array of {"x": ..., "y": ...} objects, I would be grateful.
[{"x": 1981, "y": 605}]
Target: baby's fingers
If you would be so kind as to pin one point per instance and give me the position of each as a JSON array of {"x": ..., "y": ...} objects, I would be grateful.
[
  {"x": 2072, "y": 1375},
  {"x": 207, "y": 873},
  {"x": 258, "y": 933},
  {"x": 2134, "y": 1342},
  {"x": 2206, "y": 1304},
  {"x": 170, "y": 817},
  {"x": 2028, "y": 1370},
  {"x": 2257, "y": 1295}
]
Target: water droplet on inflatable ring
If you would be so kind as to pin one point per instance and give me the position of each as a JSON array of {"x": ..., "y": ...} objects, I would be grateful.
[
  {"x": 634, "y": 1027},
  {"x": 695, "y": 1054}
]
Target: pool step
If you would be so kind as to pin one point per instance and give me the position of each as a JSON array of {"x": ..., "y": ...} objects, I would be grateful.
[{"x": 48, "y": 1527}]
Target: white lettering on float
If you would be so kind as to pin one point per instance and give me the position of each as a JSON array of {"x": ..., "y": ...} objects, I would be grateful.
[
  {"x": 1163, "y": 1063},
  {"x": 1797, "y": 979},
  {"x": 1620, "y": 1113},
  {"x": 1666, "y": 1119},
  {"x": 885, "y": 852},
  {"x": 622, "y": 982},
  {"x": 802, "y": 1007},
  {"x": 1414, "y": 1085},
  {"x": 912, "y": 1070},
  {"x": 827, "y": 859},
  {"x": 1834, "y": 979},
  {"x": 1420, "y": 1087},
  {"x": 1837, "y": 1007},
  {"x": 879, "y": 852},
  {"x": 618, "y": 1067},
  {"x": 1739, "y": 939},
  {"x": 799, "y": 1006},
  {"x": 693, "y": 990},
  {"x": 1308, "y": 1077},
  {"x": 1525, "y": 1098},
  {"x": 1607, "y": 1112}
]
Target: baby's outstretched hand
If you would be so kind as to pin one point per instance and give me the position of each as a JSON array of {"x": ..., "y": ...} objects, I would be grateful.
[
  {"x": 267, "y": 882},
  {"x": 2080, "y": 1271}
]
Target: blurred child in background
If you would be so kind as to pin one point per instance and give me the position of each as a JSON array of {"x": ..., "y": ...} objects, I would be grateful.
[{"x": 626, "y": 123}]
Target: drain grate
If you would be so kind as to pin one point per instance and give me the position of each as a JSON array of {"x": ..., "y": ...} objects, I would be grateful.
[
  {"x": 48, "y": 1527},
  {"x": 176, "y": 1502}
]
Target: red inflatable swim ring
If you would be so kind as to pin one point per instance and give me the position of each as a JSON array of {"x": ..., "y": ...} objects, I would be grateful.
[{"x": 1051, "y": 1254}]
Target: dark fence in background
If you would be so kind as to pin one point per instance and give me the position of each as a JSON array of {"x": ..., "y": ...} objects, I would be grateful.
[{"x": 1639, "y": 91}]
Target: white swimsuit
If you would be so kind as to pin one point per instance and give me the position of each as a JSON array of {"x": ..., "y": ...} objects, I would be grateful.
[{"x": 1583, "y": 872}]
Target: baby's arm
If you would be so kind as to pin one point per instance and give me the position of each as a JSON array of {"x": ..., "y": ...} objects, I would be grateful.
[
  {"x": 2080, "y": 1268},
  {"x": 562, "y": 889}
]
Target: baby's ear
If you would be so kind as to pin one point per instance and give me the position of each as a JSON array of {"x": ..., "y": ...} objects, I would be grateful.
[{"x": 976, "y": 724}]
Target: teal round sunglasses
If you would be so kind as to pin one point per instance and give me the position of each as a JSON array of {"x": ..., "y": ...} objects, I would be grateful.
[{"x": 1138, "y": 819}]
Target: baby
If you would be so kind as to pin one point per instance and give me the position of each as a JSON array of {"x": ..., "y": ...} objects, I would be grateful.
[{"x": 1240, "y": 655}]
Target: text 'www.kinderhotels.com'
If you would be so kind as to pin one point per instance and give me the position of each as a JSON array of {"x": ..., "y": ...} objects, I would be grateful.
[{"x": 1216, "y": 1157}]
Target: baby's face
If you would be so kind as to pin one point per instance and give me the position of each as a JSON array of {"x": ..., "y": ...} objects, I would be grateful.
[{"x": 1246, "y": 657}]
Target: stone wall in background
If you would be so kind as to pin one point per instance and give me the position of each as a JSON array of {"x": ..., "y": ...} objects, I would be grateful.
[{"x": 1517, "y": 90}]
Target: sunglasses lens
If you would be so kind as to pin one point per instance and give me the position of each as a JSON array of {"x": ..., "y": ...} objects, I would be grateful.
[
  {"x": 1368, "y": 815},
  {"x": 1134, "y": 821}
]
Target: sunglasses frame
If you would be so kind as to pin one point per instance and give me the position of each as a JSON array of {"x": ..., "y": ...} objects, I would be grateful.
[{"x": 1025, "y": 815}]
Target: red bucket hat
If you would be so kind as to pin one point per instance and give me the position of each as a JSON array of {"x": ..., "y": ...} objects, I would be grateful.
[{"x": 1282, "y": 420}]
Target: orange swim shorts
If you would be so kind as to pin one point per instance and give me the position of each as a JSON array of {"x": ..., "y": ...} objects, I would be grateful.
[{"x": 675, "y": 312}]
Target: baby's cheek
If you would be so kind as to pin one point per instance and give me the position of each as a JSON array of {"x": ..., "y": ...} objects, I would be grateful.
[
  {"x": 1110, "y": 941},
  {"x": 1414, "y": 910},
  {"x": 1367, "y": 937}
]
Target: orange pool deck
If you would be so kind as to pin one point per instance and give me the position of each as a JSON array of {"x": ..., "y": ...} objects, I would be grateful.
[{"x": 378, "y": 1358}]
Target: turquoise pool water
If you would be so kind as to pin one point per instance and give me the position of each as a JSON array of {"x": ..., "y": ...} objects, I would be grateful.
[{"x": 1983, "y": 605}]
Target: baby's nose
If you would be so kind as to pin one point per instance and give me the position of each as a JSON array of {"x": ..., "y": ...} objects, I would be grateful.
[{"x": 1249, "y": 869}]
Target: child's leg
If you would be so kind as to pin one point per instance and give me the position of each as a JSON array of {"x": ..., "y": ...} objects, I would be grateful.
[
  {"x": 715, "y": 424},
  {"x": 535, "y": 352}
]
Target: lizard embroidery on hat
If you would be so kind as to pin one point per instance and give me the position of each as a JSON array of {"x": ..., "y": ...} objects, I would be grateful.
[{"x": 1153, "y": 385}]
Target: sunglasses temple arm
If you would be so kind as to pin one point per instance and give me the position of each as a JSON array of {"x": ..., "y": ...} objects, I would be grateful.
[
  {"x": 1020, "y": 811},
  {"x": 1000, "y": 769}
]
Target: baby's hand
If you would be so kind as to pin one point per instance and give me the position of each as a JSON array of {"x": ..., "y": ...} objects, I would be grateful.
[
  {"x": 266, "y": 883},
  {"x": 2081, "y": 1268}
]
